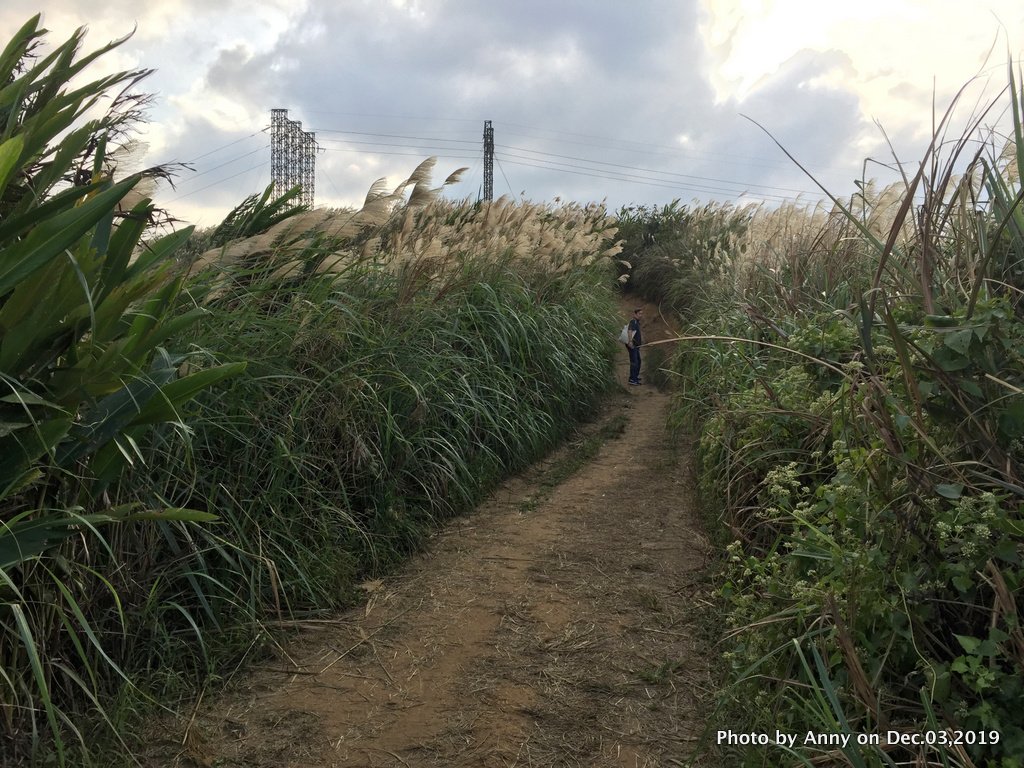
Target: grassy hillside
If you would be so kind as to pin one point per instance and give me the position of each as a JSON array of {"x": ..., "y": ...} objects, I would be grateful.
[
  {"x": 204, "y": 436},
  {"x": 855, "y": 377}
]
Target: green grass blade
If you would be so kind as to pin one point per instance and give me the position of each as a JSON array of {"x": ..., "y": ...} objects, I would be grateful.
[
  {"x": 42, "y": 687},
  {"x": 51, "y": 237}
]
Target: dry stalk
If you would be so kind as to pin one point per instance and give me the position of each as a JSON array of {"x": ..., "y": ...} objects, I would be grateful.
[
  {"x": 1006, "y": 605},
  {"x": 861, "y": 683},
  {"x": 362, "y": 640}
]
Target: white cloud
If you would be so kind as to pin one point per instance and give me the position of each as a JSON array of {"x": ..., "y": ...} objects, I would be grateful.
[
  {"x": 649, "y": 92},
  {"x": 895, "y": 49}
]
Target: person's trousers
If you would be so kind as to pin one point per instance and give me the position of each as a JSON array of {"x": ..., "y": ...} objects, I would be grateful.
[{"x": 634, "y": 363}]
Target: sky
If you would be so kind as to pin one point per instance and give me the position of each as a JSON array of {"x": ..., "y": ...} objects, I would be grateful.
[{"x": 626, "y": 103}]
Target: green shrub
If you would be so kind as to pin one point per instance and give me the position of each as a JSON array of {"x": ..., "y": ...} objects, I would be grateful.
[{"x": 862, "y": 448}]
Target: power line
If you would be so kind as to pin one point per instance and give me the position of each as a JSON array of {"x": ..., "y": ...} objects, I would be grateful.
[
  {"x": 221, "y": 148},
  {"x": 646, "y": 181},
  {"x": 395, "y": 136},
  {"x": 650, "y": 183},
  {"x": 643, "y": 147},
  {"x": 507, "y": 184},
  {"x": 392, "y": 117},
  {"x": 432, "y": 140},
  {"x": 568, "y": 168},
  {"x": 475, "y": 143},
  {"x": 636, "y": 146},
  {"x": 226, "y": 162},
  {"x": 652, "y": 170},
  {"x": 348, "y": 146},
  {"x": 661, "y": 183},
  {"x": 219, "y": 181},
  {"x": 403, "y": 154},
  {"x": 439, "y": 146},
  {"x": 231, "y": 144}
]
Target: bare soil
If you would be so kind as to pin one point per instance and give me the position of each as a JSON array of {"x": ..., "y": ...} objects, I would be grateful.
[{"x": 556, "y": 626}]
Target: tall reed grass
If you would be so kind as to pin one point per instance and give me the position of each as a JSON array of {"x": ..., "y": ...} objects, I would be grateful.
[
  {"x": 385, "y": 391},
  {"x": 672, "y": 254},
  {"x": 859, "y": 398},
  {"x": 203, "y": 437},
  {"x": 86, "y": 367}
]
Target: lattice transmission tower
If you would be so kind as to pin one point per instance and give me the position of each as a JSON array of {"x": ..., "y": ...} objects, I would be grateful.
[
  {"x": 292, "y": 157},
  {"x": 488, "y": 160}
]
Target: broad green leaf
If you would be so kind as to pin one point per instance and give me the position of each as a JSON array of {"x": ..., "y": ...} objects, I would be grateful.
[
  {"x": 950, "y": 360},
  {"x": 170, "y": 328},
  {"x": 58, "y": 167},
  {"x": 111, "y": 415},
  {"x": 19, "y": 223},
  {"x": 1008, "y": 550},
  {"x": 158, "y": 251},
  {"x": 968, "y": 643},
  {"x": 963, "y": 582},
  {"x": 20, "y": 450},
  {"x": 25, "y": 539},
  {"x": 46, "y": 315},
  {"x": 1011, "y": 420},
  {"x": 21, "y": 483},
  {"x": 970, "y": 387},
  {"x": 6, "y": 427},
  {"x": 940, "y": 321},
  {"x": 16, "y": 47},
  {"x": 950, "y": 490},
  {"x": 122, "y": 245},
  {"x": 109, "y": 460},
  {"x": 112, "y": 319},
  {"x": 10, "y": 152},
  {"x": 960, "y": 340},
  {"x": 179, "y": 514},
  {"x": 148, "y": 318},
  {"x": 53, "y": 236},
  {"x": 29, "y": 398},
  {"x": 101, "y": 232},
  {"x": 164, "y": 407},
  {"x": 996, "y": 635}
]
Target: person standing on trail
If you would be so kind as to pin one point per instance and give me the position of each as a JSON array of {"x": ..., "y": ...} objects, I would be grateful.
[{"x": 633, "y": 345}]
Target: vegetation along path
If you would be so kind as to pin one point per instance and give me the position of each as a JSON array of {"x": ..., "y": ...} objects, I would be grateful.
[{"x": 554, "y": 626}]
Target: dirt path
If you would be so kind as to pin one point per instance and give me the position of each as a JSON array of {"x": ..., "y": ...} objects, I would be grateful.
[{"x": 553, "y": 627}]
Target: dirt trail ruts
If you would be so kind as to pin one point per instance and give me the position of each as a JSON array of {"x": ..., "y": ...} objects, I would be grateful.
[{"x": 552, "y": 627}]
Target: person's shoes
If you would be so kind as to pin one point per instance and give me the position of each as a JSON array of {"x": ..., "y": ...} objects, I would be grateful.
[{"x": 634, "y": 383}]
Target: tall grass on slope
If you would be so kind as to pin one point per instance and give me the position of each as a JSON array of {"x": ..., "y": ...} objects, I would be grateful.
[
  {"x": 400, "y": 360},
  {"x": 85, "y": 317},
  {"x": 672, "y": 254},
  {"x": 864, "y": 449}
]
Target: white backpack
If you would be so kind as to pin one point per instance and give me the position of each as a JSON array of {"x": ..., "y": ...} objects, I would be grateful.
[{"x": 624, "y": 336}]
